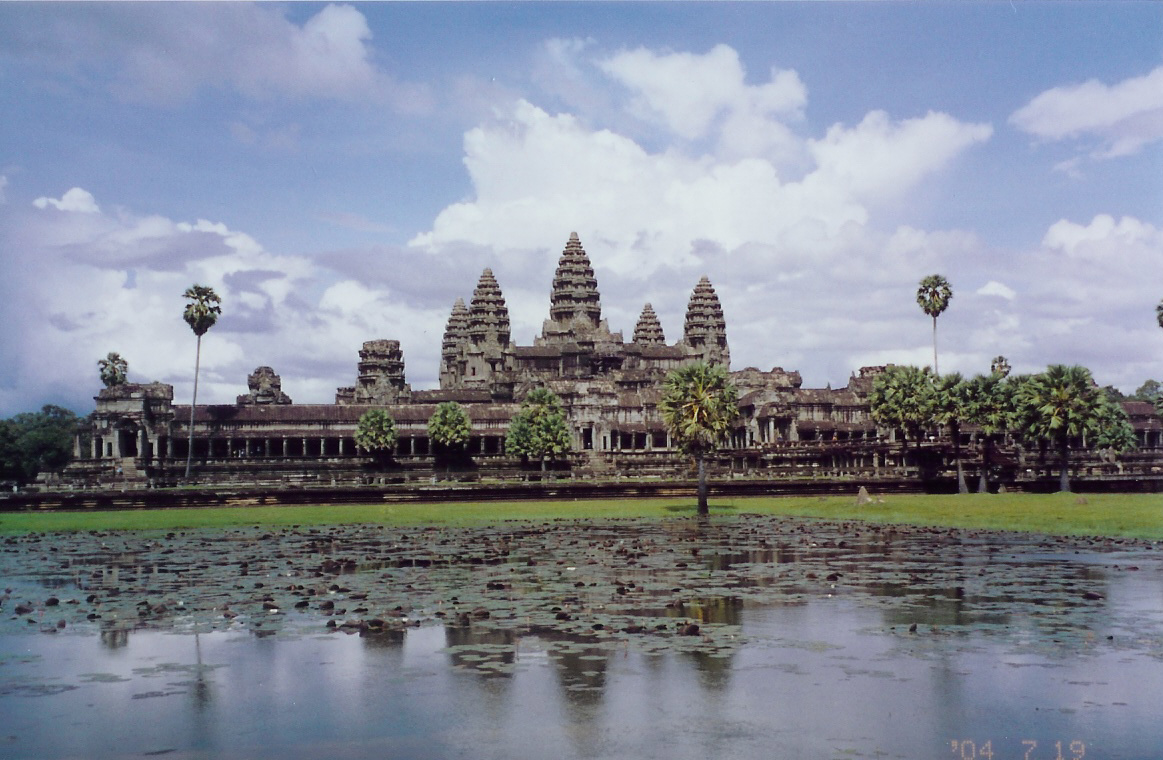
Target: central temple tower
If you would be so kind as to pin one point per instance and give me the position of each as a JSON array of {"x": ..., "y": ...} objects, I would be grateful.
[{"x": 575, "y": 306}]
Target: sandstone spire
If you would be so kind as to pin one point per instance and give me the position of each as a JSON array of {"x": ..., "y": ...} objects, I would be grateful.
[
  {"x": 648, "y": 331},
  {"x": 488, "y": 317},
  {"x": 705, "y": 329},
  {"x": 455, "y": 337},
  {"x": 575, "y": 298},
  {"x": 457, "y": 329}
]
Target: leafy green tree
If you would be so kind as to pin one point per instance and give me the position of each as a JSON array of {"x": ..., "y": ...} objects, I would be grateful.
[
  {"x": 902, "y": 398},
  {"x": 1000, "y": 366},
  {"x": 989, "y": 405},
  {"x": 449, "y": 429},
  {"x": 699, "y": 405},
  {"x": 35, "y": 442},
  {"x": 933, "y": 296},
  {"x": 200, "y": 314},
  {"x": 114, "y": 369},
  {"x": 375, "y": 433},
  {"x": 1114, "y": 428},
  {"x": 949, "y": 411},
  {"x": 1150, "y": 391},
  {"x": 1058, "y": 405},
  {"x": 539, "y": 431}
]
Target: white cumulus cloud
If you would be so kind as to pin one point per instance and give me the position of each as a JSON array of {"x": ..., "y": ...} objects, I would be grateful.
[
  {"x": 75, "y": 199},
  {"x": 880, "y": 157},
  {"x": 995, "y": 288},
  {"x": 688, "y": 92},
  {"x": 1123, "y": 117},
  {"x": 168, "y": 52},
  {"x": 74, "y": 286}
]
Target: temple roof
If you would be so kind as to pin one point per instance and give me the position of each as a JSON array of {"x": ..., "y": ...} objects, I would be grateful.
[{"x": 314, "y": 414}]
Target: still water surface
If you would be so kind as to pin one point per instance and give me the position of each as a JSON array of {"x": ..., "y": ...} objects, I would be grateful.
[{"x": 834, "y": 674}]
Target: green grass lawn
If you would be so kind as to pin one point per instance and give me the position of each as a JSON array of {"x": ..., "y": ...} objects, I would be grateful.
[{"x": 1125, "y": 515}]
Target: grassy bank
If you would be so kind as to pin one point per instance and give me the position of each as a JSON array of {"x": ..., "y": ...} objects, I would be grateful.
[{"x": 1129, "y": 515}]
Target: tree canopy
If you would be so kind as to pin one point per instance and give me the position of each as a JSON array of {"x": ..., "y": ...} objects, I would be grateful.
[
  {"x": 1064, "y": 404},
  {"x": 449, "y": 425},
  {"x": 203, "y": 308},
  {"x": 699, "y": 406},
  {"x": 34, "y": 442},
  {"x": 902, "y": 398},
  {"x": 539, "y": 431},
  {"x": 950, "y": 410},
  {"x": 1150, "y": 391},
  {"x": 989, "y": 406},
  {"x": 376, "y": 433},
  {"x": 449, "y": 429}
]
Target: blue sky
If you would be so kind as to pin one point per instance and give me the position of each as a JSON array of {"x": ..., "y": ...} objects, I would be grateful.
[{"x": 341, "y": 173}]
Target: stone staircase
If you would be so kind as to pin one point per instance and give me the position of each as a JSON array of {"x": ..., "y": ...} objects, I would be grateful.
[{"x": 597, "y": 463}]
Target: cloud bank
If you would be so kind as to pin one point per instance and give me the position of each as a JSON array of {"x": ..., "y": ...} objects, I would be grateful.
[{"x": 669, "y": 164}]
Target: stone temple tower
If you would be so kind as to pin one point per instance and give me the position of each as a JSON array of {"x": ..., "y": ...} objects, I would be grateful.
[
  {"x": 705, "y": 328},
  {"x": 452, "y": 365},
  {"x": 648, "y": 331},
  {"x": 487, "y": 332},
  {"x": 575, "y": 306}
]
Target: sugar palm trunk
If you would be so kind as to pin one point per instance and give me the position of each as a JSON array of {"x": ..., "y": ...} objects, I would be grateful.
[
  {"x": 1064, "y": 464},
  {"x": 983, "y": 481},
  {"x": 936, "y": 372},
  {"x": 193, "y": 403},
  {"x": 701, "y": 460},
  {"x": 955, "y": 430}
]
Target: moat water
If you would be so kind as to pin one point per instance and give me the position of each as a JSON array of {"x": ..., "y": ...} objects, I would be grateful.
[{"x": 815, "y": 640}]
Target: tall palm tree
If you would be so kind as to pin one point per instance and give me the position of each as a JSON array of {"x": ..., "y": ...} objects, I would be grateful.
[
  {"x": 1159, "y": 313},
  {"x": 1060, "y": 404},
  {"x": 902, "y": 399},
  {"x": 1000, "y": 366},
  {"x": 200, "y": 314},
  {"x": 949, "y": 410},
  {"x": 988, "y": 404},
  {"x": 933, "y": 296},
  {"x": 699, "y": 405},
  {"x": 114, "y": 369}
]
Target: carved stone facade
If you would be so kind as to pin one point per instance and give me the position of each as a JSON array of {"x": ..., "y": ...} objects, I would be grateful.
[
  {"x": 381, "y": 376},
  {"x": 610, "y": 389},
  {"x": 265, "y": 388}
]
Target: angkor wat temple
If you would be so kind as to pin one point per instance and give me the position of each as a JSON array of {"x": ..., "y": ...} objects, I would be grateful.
[{"x": 608, "y": 386}]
